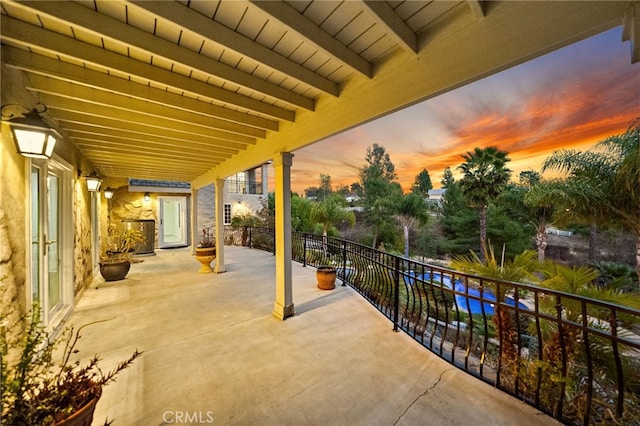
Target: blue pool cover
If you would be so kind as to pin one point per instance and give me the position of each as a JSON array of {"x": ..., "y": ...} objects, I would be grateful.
[{"x": 470, "y": 302}]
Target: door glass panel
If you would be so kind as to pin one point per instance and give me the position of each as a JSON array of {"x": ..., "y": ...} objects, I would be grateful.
[
  {"x": 35, "y": 235},
  {"x": 53, "y": 241},
  {"x": 173, "y": 226}
]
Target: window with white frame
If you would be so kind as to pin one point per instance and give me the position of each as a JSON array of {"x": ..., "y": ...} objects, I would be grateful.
[{"x": 227, "y": 214}]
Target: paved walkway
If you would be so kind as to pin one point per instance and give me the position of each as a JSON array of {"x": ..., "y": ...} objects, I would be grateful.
[{"x": 214, "y": 354}]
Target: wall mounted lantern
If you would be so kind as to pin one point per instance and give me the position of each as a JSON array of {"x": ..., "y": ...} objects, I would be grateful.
[
  {"x": 93, "y": 181},
  {"x": 32, "y": 135},
  {"x": 108, "y": 193},
  {"x": 147, "y": 196}
]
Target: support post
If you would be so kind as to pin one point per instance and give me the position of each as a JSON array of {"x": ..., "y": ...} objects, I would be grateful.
[
  {"x": 283, "y": 307},
  {"x": 219, "y": 207},
  {"x": 194, "y": 220}
]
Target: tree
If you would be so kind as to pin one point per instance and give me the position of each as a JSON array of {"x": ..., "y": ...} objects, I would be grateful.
[
  {"x": 484, "y": 178},
  {"x": 604, "y": 182},
  {"x": 447, "y": 178},
  {"x": 519, "y": 269},
  {"x": 422, "y": 184},
  {"x": 325, "y": 186},
  {"x": 412, "y": 211},
  {"x": 380, "y": 191},
  {"x": 542, "y": 198},
  {"x": 332, "y": 211}
]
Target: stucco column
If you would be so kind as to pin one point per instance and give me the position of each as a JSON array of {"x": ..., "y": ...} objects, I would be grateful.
[
  {"x": 219, "y": 268},
  {"x": 195, "y": 229},
  {"x": 284, "y": 296}
]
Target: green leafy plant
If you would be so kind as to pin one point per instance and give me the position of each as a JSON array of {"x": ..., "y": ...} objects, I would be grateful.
[
  {"x": 35, "y": 388},
  {"x": 121, "y": 244}
]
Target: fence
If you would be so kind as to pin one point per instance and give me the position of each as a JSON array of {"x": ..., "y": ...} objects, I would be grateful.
[{"x": 575, "y": 358}]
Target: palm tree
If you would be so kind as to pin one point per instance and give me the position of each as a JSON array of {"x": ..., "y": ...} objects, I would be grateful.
[
  {"x": 605, "y": 181},
  {"x": 520, "y": 269},
  {"x": 412, "y": 211},
  {"x": 332, "y": 211},
  {"x": 484, "y": 178},
  {"x": 543, "y": 199}
]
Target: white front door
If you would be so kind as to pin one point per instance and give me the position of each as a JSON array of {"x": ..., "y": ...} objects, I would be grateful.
[
  {"x": 51, "y": 235},
  {"x": 172, "y": 231}
]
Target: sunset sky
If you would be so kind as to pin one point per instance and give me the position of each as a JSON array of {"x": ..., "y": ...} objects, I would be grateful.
[{"x": 571, "y": 98}]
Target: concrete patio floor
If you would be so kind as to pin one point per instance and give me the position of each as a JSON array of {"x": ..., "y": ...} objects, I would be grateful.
[{"x": 214, "y": 353}]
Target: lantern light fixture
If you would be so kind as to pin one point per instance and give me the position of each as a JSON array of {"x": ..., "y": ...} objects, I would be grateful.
[
  {"x": 108, "y": 193},
  {"x": 32, "y": 135},
  {"x": 147, "y": 196},
  {"x": 93, "y": 181}
]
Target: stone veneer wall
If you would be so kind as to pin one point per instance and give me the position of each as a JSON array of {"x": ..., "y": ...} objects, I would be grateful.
[
  {"x": 12, "y": 224},
  {"x": 83, "y": 261},
  {"x": 13, "y": 199},
  {"x": 125, "y": 205}
]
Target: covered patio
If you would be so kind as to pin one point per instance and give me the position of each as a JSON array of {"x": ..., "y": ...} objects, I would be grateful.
[{"x": 213, "y": 353}]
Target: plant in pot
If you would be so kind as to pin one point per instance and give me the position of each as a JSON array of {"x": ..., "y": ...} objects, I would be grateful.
[
  {"x": 117, "y": 252},
  {"x": 206, "y": 251},
  {"x": 38, "y": 390}
]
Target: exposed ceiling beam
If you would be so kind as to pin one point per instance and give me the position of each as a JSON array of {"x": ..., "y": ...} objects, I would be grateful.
[
  {"x": 631, "y": 30},
  {"x": 216, "y": 145},
  {"x": 122, "y": 119},
  {"x": 70, "y": 13},
  {"x": 53, "y": 87},
  {"x": 393, "y": 23},
  {"x": 29, "y": 35},
  {"x": 477, "y": 7},
  {"x": 88, "y": 132},
  {"x": 150, "y": 148},
  {"x": 299, "y": 23},
  {"x": 217, "y": 33},
  {"x": 40, "y": 65},
  {"x": 54, "y": 101}
]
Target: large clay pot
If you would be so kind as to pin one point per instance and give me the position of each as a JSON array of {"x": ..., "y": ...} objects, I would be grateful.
[
  {"x": 114, "y": 271},
  {"x": 205, "y": 255},
  {"x": 82, "y": 417},
  {"x": 326, "y": 276}
]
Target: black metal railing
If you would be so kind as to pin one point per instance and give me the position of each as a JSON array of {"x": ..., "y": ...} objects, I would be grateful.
[{"x": 575, "y": 358}]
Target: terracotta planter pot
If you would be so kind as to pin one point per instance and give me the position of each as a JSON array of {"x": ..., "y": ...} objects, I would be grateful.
[
  {"x": 205, "y": 256},
  {"x": 82, "y": 417},
  {"x": 114, "y": 271},
  {"x": 326, "y": 276}
]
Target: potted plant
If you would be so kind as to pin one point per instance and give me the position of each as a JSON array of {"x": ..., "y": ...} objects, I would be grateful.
[
  {"x": 35, "y": 389},
  {"x": 206, "y": 251},
  {"x": 326, "y": 276},
  {"x": 118, "y": 250}
]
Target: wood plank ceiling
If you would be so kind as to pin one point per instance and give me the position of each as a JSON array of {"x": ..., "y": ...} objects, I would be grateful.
[{"x": 197, "y": 90}]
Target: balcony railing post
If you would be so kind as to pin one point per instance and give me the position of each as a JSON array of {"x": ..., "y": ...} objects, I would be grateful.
[
  {"x": 304, "y": 249},
  {"x": 344, "y": 262},
  {"x": 250, "y": 237},
  {"x": 396, "y": 295}
]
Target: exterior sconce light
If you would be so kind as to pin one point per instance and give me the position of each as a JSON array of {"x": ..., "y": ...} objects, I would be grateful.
[
  {"x": 108, "y": 193},
  {"x": 32, "y": 135},
  {"x": 93, "y": 181},
  {"x": 147, "y": 197}
]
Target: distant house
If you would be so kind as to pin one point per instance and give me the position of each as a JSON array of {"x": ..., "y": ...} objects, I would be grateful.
[
  {"x": 435, "y": 196},
  {"x": 244, "y": 192}
]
